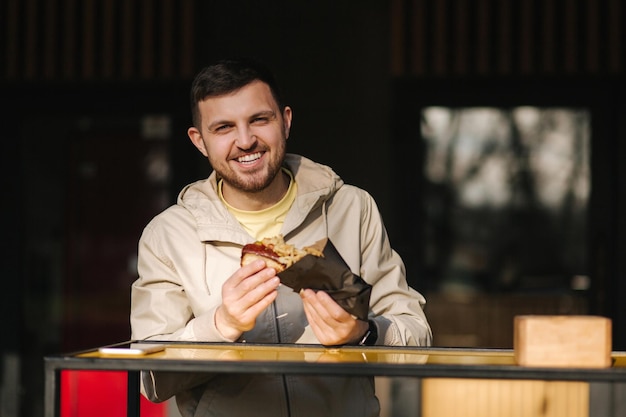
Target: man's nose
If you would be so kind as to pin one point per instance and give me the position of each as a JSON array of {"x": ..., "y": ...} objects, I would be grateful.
[{"x": 246, "y": 138}]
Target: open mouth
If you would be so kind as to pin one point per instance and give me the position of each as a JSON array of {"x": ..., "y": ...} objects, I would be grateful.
[{"x": 250, "y": 158}]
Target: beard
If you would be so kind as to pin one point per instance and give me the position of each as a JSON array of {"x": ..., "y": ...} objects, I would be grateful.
[{"x": 257, "y": 181}]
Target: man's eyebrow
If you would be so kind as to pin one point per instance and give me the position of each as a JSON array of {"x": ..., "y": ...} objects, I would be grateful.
[
  {"x": 217, "y": 123},
  {"x": 265, "y": 113}
]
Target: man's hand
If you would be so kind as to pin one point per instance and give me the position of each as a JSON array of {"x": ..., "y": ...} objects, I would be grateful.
[
  {"x": 330, "y": 322},
  {"x": 249, "y": 291}
]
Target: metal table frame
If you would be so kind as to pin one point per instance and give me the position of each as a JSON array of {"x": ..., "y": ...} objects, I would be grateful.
[{"x": 83, "y": 361}]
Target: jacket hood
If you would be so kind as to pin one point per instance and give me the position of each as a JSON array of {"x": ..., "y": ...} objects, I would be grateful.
[{"x": 317, "y": 183}]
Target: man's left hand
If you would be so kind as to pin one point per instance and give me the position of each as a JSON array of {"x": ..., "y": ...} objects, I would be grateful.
[{"x": 330, "y": 322}]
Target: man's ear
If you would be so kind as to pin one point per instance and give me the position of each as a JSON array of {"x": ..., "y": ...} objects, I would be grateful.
[
  {"x": 196, "y": 138},
  {"x": 287, "y": 115}
]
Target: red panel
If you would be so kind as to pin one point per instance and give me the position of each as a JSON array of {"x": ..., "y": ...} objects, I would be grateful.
[{"x": 100, "y": 394}]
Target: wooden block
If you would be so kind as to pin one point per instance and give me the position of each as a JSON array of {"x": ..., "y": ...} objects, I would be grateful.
[{"x": 562, "y": 341}]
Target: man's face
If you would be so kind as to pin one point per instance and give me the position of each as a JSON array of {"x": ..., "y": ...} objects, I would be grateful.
[{"x": 243, "y": 134}]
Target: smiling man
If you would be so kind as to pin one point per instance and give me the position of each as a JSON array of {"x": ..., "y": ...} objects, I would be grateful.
[
  {"x": 191, "y": 286},
  {"x": 243, "y": 134}
]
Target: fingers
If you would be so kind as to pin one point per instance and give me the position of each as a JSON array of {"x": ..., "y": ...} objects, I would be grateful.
[
  {"x": 250, "y": 280},
  {"x": 325, "y": 307},
  {"x": 250, "y": 290},
  {"x": 255, "y": 292},
  {"x": 245, "y": 272},
  {"x": 242, "y": 314},
  {"x": 331, "y": 324}
]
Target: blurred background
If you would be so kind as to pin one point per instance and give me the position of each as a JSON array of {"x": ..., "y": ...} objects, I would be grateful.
[{"x": 490, "y": 133}]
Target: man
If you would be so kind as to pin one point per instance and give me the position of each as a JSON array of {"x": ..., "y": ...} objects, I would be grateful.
[{"x": 191, "y": 286}]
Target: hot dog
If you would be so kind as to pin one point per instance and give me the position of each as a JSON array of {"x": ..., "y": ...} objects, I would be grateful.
[{"x": 276, "y": 253}]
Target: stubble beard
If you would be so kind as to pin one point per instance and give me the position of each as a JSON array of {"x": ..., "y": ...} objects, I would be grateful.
[{"x": 254, "y": 182}]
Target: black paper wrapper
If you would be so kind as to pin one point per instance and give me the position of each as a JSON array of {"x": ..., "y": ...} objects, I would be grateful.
[{"x": 332, "y": 275}]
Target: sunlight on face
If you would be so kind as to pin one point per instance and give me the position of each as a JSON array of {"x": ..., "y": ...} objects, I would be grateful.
[{"x": 244, "y": 136}]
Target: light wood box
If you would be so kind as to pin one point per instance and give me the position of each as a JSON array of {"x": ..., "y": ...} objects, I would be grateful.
[{"x": 562, "y": 341}]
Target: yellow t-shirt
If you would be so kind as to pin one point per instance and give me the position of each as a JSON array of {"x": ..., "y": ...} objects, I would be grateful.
[{"x": 267, "y": 222}]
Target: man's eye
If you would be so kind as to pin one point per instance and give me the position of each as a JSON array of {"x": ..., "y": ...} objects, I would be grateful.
[
  {"x": 222, "y": 128},
  {"x": 260, "y": 120}
]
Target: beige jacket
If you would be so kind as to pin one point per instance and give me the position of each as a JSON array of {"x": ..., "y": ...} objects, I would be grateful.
[{"x": 188, "y": 251}]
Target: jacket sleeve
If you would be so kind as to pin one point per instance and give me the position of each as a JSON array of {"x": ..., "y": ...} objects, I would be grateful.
[
  {"x": 396, "y": 308},
  {"x": 160, "y": 310}
]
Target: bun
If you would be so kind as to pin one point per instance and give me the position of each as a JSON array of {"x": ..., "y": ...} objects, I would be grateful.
[{"x": 249, "y": 257}]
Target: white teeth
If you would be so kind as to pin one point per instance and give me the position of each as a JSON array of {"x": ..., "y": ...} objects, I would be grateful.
[{"x": 249, "y": 158}]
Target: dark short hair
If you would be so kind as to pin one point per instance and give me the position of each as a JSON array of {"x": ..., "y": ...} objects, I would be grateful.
[{"x": 227, "y": 76}]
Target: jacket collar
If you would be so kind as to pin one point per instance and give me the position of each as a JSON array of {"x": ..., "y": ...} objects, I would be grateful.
[{"x": 316, "y": 184}]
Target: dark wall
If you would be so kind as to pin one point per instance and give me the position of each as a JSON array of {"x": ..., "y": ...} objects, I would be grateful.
[
  {"x": 336, "y": 61},
  {"x": 331, "y": 59},
  {"x": 332, "y": 62}
]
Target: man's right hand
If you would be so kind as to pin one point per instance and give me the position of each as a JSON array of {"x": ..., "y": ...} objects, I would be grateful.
[{"x": 249, "y": 291}]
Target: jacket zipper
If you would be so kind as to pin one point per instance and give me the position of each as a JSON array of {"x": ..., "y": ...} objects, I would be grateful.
[{"x": 283, "y": 376}]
